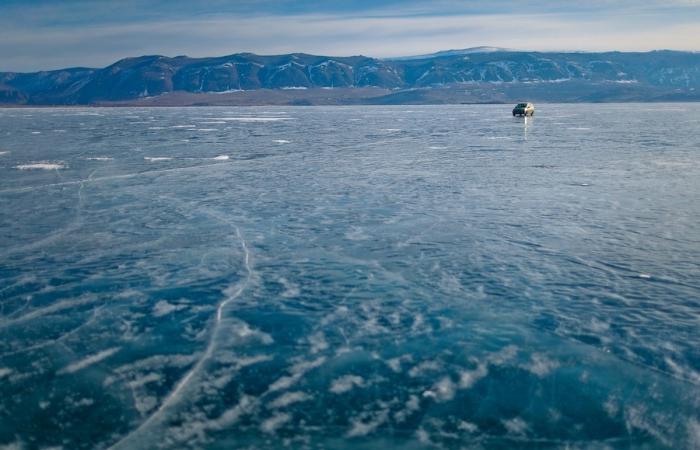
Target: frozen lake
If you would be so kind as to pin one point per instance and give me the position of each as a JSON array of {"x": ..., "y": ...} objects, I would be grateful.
[{"x": 350, "y": 277}]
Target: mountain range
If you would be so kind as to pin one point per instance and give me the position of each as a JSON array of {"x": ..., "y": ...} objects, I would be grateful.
[{"x": 477, "y": 75}]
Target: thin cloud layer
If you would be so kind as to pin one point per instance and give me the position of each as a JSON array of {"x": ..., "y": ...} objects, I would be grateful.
[{"x": 84, "y": 33}]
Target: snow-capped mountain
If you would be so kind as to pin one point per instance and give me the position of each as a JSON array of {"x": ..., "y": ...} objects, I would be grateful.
[{"x": 658, "y": 72}]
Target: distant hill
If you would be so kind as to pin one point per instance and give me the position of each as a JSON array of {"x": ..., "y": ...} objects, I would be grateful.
[
  {"x": 464, "y": 51},
  {"x": 482, "y": 74}
]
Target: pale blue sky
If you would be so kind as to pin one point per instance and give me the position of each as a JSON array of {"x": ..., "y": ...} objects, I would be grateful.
[{"x": 43, "y": 34}]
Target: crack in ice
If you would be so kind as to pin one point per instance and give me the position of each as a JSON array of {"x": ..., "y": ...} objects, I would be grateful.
[
  {"x": 112, "y": 177},
  {"x": 175, "y": 394}
]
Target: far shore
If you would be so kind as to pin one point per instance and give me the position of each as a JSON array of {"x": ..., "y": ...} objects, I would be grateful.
[{"x": 476, "y": 94}]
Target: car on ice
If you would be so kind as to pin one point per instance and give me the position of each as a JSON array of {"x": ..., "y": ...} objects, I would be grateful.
[{"x": 524, "y": 109}]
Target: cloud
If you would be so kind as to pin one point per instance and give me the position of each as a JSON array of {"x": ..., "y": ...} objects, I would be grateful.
[{"x": 31, "y": 42}]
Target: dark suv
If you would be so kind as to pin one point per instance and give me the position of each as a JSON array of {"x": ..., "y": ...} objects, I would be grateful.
[{"x": 524, "y": 109}]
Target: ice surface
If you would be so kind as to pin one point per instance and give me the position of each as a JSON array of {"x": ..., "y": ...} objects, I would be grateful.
[{"x": 467, "y": 279}]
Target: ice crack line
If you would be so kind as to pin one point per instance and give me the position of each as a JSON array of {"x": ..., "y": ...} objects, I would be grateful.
[
  {"x": 175, "y": 394},
  {"x": 114, "y": 177},
  {"x": 65, "y": 231}
]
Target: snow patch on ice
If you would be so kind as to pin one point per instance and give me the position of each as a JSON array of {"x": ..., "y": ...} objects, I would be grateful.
[
  {"x": 290, "y": 289},
  {"x": 244, "y": 331},
  {"x": 468, "y": 427},
  {"x": 156, "y": 158},
  {"x": 395, "y": 363},
  {"x": 411, "y": 406},
  {"x": 346, "y": 383},
  {"x": 273, "y": 423},
  {"x": 362, "y": 427},
  {"x": 468, "y": 378},
  {"x": 89, "y": 361},
  {"x": 296, "y": 372},
  {"x": 163, "y": 308},
  {"x": 694, "y": 433},
  {"x": 444, "y": 390},
  {"x": 540, "y": 365},
  {"x": 289, "y": 398},
  {"x": 252, "y": 119},
  {"x": 17, "y": 445},
  {"x": 41, "y": 166},
  {"x": 515, "y": 426},
  {"x": 423, "y": 368},
  {"x": 144, "y": 380},
  {"x": 318, "y": 342}
]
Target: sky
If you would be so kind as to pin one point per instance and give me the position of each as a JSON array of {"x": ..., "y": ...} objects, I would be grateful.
[{"x": 51, "y": 34}]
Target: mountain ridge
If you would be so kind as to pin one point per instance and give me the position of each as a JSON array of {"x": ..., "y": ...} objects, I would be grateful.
[{"x": 500, "y": 74}]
